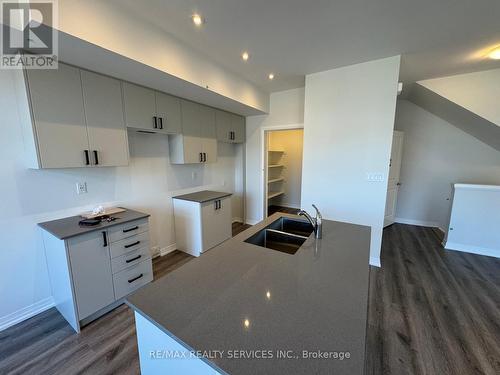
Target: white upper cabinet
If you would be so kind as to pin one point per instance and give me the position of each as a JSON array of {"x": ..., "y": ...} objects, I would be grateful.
[
  {"x": 71, "y": 118},
  {"x": 198, "y": 142},
  {"x": 140, "y": 107},
  {"x": 230, "y": 127},
  {"x": 58, "y": 117},
  {"x": 168, "y": 110},
  {"x": 105, "y": 123},
  {"x": 151, "y": 111}
]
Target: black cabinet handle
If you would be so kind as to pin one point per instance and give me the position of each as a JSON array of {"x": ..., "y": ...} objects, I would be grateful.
[
  {"x": 155, "y": 122},
  {"x": 96, "y": 157},
  {"x": 135, "y": 278},
  {"x": 130, "y": 229},
  {"x": 161, "y": 122},
  {"x": 132, "y": 244},
  {"x": 204, "y": 156},
  {"x": 201, "y": 157},
  {"x": 131, "y": 260},
  {"x": 232, "y": 136},
  {"x": 215, "y": 205},
  {"x": 87, "y": 159},
  {"x": 220, "y": 204},
  {"x": 104, "y": 239}
]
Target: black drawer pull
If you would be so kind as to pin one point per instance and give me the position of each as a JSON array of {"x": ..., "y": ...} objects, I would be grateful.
[
  {"x": 130, "y": 229},
  {"x": 96, "y": 157},
  {"x": 135, "y": 278},
  {"x": 132, "y": 244},
  {"x": 131, "y": 260},
  {"x": 87, "y": 159},
  {"x": 104, "y": 239}
]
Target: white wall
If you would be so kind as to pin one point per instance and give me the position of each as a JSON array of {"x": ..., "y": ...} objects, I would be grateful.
[
  {"x": 32, "y": 196},
  {"x": 348, "y": 126},
  {"x": 436, "y": 154},
  {"x": 286, "y": 108},
  {"x": 292, "y": 142}
]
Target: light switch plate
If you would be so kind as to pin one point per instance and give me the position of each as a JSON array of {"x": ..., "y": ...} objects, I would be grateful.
[
  {"x": 81, "y": 188},
  {"x": 375, "y": 177}
]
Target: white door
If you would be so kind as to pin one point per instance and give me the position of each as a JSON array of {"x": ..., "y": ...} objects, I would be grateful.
[
  {"x": 216, "y": 222},
  {"x": 105, "y": 123},
  {"x": 393, "y": 180},
  {"x": 140, "y": 107}
]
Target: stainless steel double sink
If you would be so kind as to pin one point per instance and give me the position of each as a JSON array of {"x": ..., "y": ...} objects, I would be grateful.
[{"x": 284, "y": 234}]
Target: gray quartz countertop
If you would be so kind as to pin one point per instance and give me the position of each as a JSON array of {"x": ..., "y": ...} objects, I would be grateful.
[
  {"x": 239, "y": 296},
  {"x": 203, "y": 196},
  {"x": 69, "y": 227}
]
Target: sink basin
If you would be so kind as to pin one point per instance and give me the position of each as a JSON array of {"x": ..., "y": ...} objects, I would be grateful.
[
  {"x": 285, "y": 234},
  {"x": 294, "y": 226}
]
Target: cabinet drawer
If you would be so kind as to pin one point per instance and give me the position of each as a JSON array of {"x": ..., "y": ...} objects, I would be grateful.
[
  {"x": 119, "y": 232},
  {"x": 132, "y": 278},
  {"x": 130, "y": 259},
  {"x": 129, "y": 244}
]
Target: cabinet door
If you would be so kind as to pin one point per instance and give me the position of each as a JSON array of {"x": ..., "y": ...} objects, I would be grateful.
[
  {"x": 57, "y": 107},
  {"x": 140, "y": 107},
  {"x": 190, "y": 118},
  {"x": 168, "y": 108},
  {"x": 238, "y": 127},
  {"x": 207, "y": 122},
  {"x": 91, "y": 272},
  {"x": 223, "y": 125},
  {"x": 209, "y": 148},
  {"x": 105, "y": 123},
  {"x": 192, "y": 149},
  {"x": 216, "y": 222}
]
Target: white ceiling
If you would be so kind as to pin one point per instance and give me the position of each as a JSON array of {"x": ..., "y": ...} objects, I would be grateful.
[{"x": 293, "y": 38}]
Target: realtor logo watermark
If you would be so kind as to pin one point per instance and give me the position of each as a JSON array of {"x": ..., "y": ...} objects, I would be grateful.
[{"x": 29, "y": 36}]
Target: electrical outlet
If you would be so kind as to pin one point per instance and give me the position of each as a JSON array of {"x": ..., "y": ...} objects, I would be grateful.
[
  {"x": 81, "y": 188},
  {"x": 375, "y": 177}
]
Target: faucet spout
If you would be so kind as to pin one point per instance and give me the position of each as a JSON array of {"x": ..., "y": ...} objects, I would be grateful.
[{"x": 316, "y": 222}]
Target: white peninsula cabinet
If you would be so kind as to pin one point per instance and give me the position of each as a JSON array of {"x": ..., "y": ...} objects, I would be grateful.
[
  {"x": 71, "y": 118},
  {"x": 202, "y": 220},
  {"x": 92, "y": 269}
]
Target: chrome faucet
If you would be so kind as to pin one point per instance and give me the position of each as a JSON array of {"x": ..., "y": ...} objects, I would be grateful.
[{"x": 316, "y": 222}]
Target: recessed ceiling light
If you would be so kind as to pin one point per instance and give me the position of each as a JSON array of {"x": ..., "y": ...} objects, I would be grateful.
[
  {"x": 197, "y": 19},
  {"x": 495, "y": 54},
  {"x": 271, "y": 76},
  {"x": 245, "y": 56}
]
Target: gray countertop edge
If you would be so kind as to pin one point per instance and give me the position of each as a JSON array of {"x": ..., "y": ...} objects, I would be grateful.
[
  {"x": 202, "y": 196},
  {"x": 73, "y": 222},
  {"x": 172, "y": 336}
]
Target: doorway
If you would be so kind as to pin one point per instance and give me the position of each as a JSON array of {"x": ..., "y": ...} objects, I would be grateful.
[
  {"x": 282, "y": 170},
  {"x": 393, "y": 183}
]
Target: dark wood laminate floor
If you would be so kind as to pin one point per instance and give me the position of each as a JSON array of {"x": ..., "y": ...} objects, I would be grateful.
[{"x": 430, "y": 312}]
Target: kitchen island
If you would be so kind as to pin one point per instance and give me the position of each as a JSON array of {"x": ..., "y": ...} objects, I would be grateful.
[{"x": 246, "y": 309}]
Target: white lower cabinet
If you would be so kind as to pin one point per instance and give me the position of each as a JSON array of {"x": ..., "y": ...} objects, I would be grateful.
[
  {"x": 92, "y": 272},
  {"x": 201, "y": 226}
]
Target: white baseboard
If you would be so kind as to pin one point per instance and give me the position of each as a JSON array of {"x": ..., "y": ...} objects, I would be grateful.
[
  {"x": 472, "y": 249},
  {"x": 25, "y": 313},
  {"x": 375, "y": 261},
  {"x": 420, "y": 223},
  {"x": 252, "y": 221},
  {"x": 168, "y": 249},
  {"x": 237, "y": 220}
]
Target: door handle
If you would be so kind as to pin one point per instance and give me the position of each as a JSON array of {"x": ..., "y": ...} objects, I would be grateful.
[
  {"x": 201, "y": 157},
  {"x": 204, "y": 157},
  {"x": 96, "y": 157},
  {"x": 104, "y": 239},
  {"x": 155, "y": 122},
  {"x": 220, "y": 204},
  {"x": 87, "y": 159},
  {"x": 215, "y": 202},
  {"x": 161, "y": 122}
]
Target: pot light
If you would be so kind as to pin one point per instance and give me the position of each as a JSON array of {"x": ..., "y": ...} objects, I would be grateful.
[
  {"x": 495, "y": 54},
  {"x": 197, "y": 19},
  {"x": 245, "y": 56},
  {"x": 271, "y": 76}
]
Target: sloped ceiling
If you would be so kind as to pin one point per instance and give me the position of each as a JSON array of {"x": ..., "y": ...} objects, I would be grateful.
[{"x": 468, "y": 120}]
